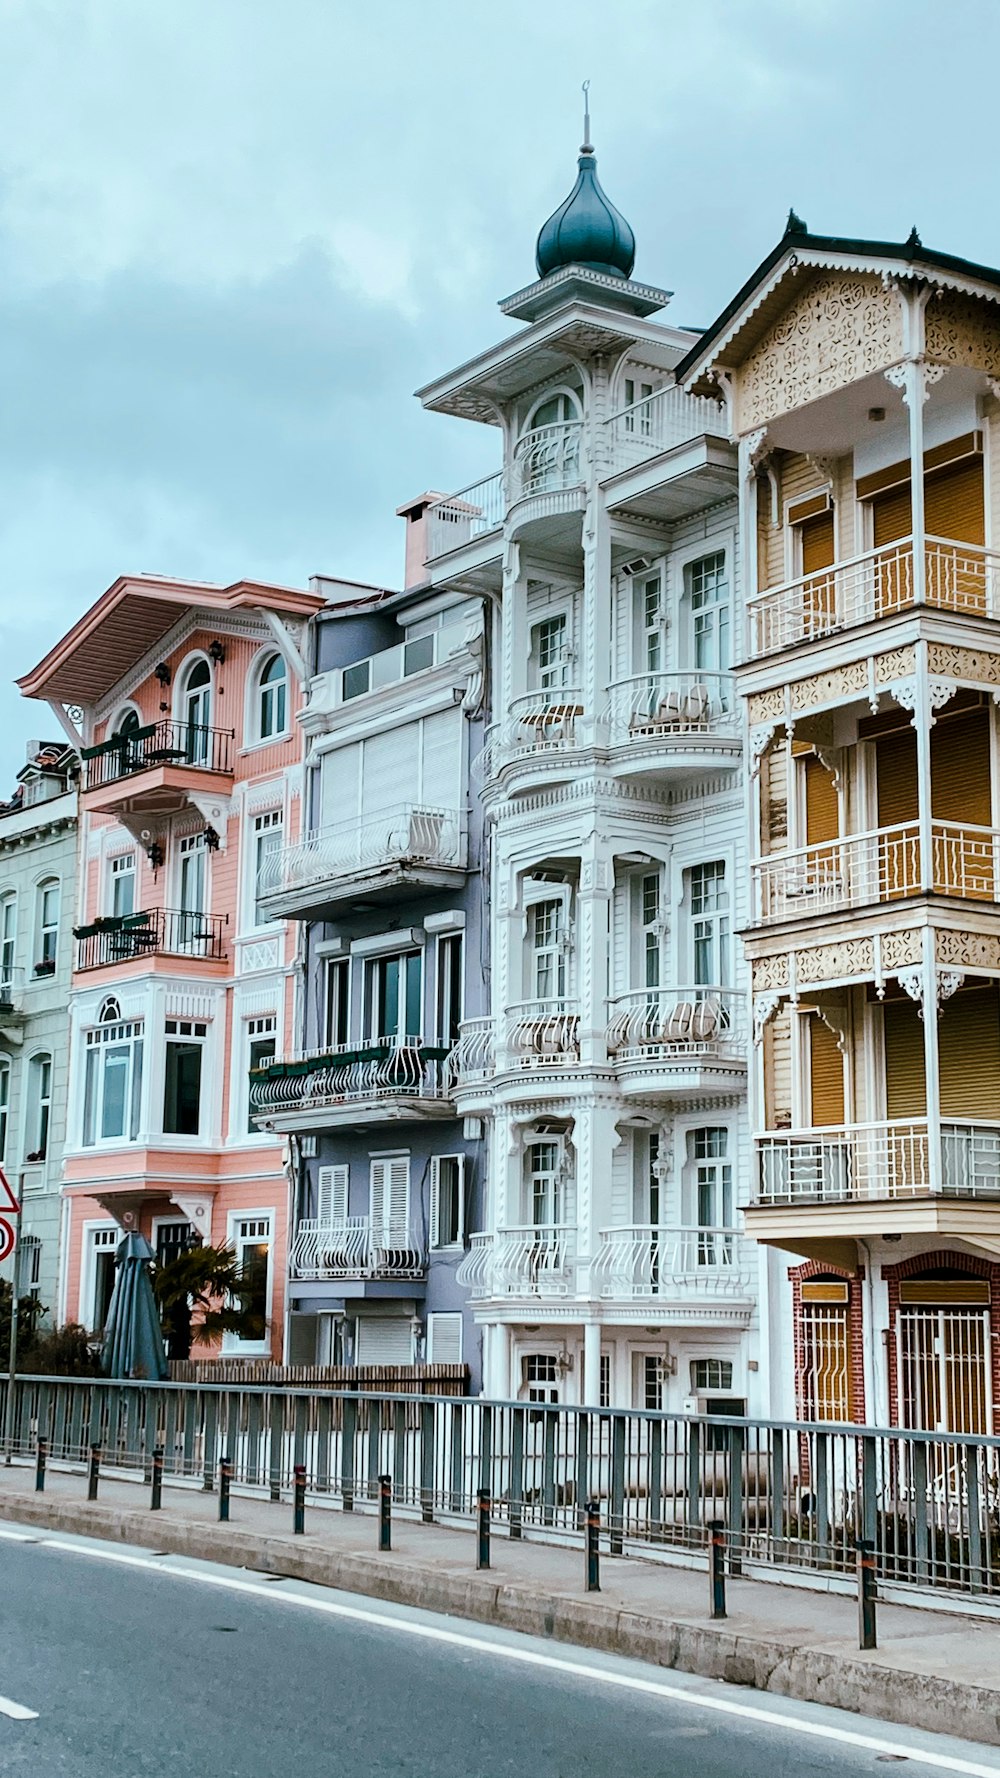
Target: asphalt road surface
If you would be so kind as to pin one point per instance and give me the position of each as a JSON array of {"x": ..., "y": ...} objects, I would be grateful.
[{"x": 137, "y": 1665}]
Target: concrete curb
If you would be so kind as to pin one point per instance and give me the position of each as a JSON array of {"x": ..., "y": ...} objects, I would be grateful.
[{"x": 813, "y": 1675}]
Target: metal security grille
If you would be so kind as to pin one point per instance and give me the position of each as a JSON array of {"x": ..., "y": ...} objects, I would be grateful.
[
  {"x": 826, "y": 1353},
  {"x": 943, "y": 1358}
]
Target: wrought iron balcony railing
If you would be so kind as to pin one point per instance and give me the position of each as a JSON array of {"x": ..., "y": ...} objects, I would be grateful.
[
  {"x": 173, "y": 931},
  {"x": 547, "y": 459},
  {"x": 671, "y": 707},
  {"x": 157, "y": 744},
  {"x": 376, "y": 1068},
  {"x": 535, "y": 1261},
  {"x": 355, "y": 1248},
  {"x": 648, "y": 1261},
  {"x": 406, "y": 835},
  {"x": 667, "y": 1025}
]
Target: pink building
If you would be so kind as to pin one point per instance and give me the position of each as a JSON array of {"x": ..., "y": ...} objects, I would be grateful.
[{"x": 185, "y": 697}]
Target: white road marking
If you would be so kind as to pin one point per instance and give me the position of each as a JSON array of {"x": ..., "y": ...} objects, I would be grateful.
[
  {"x": 19, "y": 1712},
  {"x": 724, "y": 1706}
]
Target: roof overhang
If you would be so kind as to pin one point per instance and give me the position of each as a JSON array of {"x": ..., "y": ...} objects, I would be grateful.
[
  {"x": 577, "y": 330},
  {"x": 131, "y": 618},
  {"x": 743, "y": 322}
]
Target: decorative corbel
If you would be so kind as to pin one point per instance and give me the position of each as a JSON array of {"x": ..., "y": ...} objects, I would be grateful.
[
  {"x": 764, "y": 1009},
  {"x": 948, "y": 983},
  {"x": 760, "y": 740},
  {"x": 912, "y": 983}
]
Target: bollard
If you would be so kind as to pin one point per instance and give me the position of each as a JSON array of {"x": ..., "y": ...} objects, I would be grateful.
[
  {"x": 866, "y": 1593},
  {"x": 483, "y": 1528},
  {"x": 225, "y": 1478},
  {"x": 717, "y": 1568},
  {"x": 593, "y": 1532},
  {"x": 156, "y": 1498},
  {"x": 42, "y": 1453},
  {"x": 299, "y": 1513},
  {"x": 95, "y": 1471},
  {"x": 385, "y": 1512}
]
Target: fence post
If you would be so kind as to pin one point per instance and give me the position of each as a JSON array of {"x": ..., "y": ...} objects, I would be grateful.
[
  {"x": 593, "y": 1546},
  {"x": 385, "y": 1512},
  {"x": 41, "y": 1452},
  {"x": 866, "y": 1593},
  {"x": 427, "y": 1462},
  {"x": 156, "y": 1498},
  {"x": 717, "y": 1568},
  {"x": 299, "y": 1510},
  {"x": 95, "y": 1471},
  {"x": 225, "y": 1479},
  {"x": 483, "y": 1528}
]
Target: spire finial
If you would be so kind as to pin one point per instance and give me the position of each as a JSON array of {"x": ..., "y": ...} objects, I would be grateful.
[{"x": 586, "y": 147}]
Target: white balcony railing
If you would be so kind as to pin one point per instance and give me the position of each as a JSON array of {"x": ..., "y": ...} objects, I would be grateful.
[
  {"x": 370, "y": 1070},
  {"x": 873, "y": 1162},
  {"x": 352, "y": 1249},
  {"x": 523, "y": 1262},
  {"x": 660, "y": 422},
  {"x": 673, "y": 1025},
  {"x": 11, "y": 991},
  {"x": 474, "y": 1056},
  {"x": 541, "y": 726},
  {"x": 461, "y": 518},
  {"x": 668, "y": 707},
  {"x": 879, "y": 866},
  {"x": 406, "y": 835},
  {"x": 546, "y": 460},
  {"x": 541, "y": 1033},
  {"x": 647, "y": 1261},
  {"x": 960, "y": 577}
]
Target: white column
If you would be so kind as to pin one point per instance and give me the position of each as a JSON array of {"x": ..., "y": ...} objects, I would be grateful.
[
  {"x": 931, "y": 1060},
  {"x": 590, "y": 1387},
  {"x": 595, "y": 652},
  {"x": 923, "y": 718},
  {"x": 593, "y": 940}
]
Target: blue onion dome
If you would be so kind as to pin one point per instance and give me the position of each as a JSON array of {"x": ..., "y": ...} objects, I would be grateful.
[{"x": 586, "y": 229}]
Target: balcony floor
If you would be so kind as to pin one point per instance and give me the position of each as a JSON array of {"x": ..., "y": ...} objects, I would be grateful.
[
  {"x": 315, "y": 901},
  {"x": 821, "y": 1230}
]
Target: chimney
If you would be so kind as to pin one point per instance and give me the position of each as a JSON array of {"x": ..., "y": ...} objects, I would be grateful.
[{"x": 415, "y": 514}]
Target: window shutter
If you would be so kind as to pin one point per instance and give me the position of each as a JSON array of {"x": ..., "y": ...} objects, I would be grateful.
[
  {"x": 891, "y": 516},
  {"x": 435, "y": 1213},
  {"x": 441, "y": 737},
  {"x": 826, "y": 1067},
  {"x": 384, "y": 1340},
  {"x": 331, "y": 1195},
  {"x": 817, "y": 543},
  {"x": 905, "y": 1088},
  {"x": 969, "y": 1043},
  {"x": 390, "y": 1198},
  {"x": 953, "y": 502},
  {"x": 444, "y": 1338},
  {"x": 822, "y": 807},
  {"x": 896, "y": 776},
  {"x": 340, "y": 773},
  {"x": 960, "y": 769},
  {"x": 382, "y": 781}
]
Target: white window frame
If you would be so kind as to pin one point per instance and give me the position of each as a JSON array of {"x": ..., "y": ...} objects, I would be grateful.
[
  {"x": 47, "y": 929},
  {"x": 373, "y": 967},
  {"x": 201, "y": 755},
  {"x": 435, "y": 1219},
  {"x": 553, "y": 677},
  {"x": 646, "y": 632},
  {"x": 438, "y": 1318},
  {"x": 724, "y": 1190},
  {"x": 718, "y": 921},
  {"x": 333, "y": 1195},
  {"x": 261, "y": 823},
  {"x": 232, "y": 1345},
  {"x": 546, "y": 1183},
  {"x": 90, "y": 1246},
  {"x": 96, "y": 1038},
  {"x": 255, "y": 1027},
  {"x": 120, "y": 867},
  {"x": 388, "y": 1232},
  {"x": 177, "y": 1030},
  {"x": 36, "y": 1101},
  {"x": 261, "y": 694},
  {"x": 6, "y": 1072},
  {"x": 8, "y": 936}
]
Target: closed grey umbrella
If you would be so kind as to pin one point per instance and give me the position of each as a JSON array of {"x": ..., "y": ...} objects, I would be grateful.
[{"x": 133, "y": 1337}]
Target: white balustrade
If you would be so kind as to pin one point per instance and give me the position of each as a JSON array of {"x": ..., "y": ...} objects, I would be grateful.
[
  {"x": 460, "y": 518},
  {"x": 879, "y": 866},
  {"x": 542, "y": 1033},
  {"x": 535, "y": 1261},
  {"x": 664, "y": 707},
  {"x": 547, "y": 460},
  {"x": 961, "y": 577},
  {"x": 875, "y": 1161},
  {"x": 645, "y": 1261},
  {"x": 667, "y": 1025},
  {"x": 407, "y": 835},
  {"x": 474, "y": 1055},
  {"x": 351, "y": 1248},
  {"x": 372, "y": 1069},
  {"x": 660, "y": 422},
  {"x": 540, "y": 726}
]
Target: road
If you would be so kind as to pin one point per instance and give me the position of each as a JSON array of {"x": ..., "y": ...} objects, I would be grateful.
[{"x": 137, "y": 1665}]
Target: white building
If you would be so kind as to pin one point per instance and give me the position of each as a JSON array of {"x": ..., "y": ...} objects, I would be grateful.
[{"x": 611, "y": 1071}]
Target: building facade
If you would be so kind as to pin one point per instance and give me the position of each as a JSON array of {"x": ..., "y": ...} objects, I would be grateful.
[
  {"x": 860, "y": 379},
  {"x": 387, "y": 888},
  {"x": 609, "y": 1066},
  {"x": 185, "y": 697},
  {"x": 37, "y": 894}
]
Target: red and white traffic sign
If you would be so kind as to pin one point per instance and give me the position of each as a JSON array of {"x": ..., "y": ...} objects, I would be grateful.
[
  {"x": 8, "y": 1238},
  {"x": 9, "y": 1205}
]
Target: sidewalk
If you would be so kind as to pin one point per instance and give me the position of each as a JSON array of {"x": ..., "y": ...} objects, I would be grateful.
[{"x": 781, "y": 1639}]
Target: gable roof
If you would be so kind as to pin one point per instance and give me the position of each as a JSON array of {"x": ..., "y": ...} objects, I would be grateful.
[
  {"x": 797, "y": 249},
  {"x": 131, "y": 617}
]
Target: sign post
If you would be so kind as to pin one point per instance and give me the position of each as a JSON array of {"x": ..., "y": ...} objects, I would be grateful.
[{"x": 10, "y": 1216}]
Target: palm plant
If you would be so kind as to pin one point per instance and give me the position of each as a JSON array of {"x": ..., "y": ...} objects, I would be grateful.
[{"x": 203, "y": 1293}]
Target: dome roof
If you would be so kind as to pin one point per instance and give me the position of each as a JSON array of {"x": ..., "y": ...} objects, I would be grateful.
[{"x": 586, "y": 230}]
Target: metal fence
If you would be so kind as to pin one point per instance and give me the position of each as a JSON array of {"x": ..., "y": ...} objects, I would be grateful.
[{"x": 794, "y": 1497}]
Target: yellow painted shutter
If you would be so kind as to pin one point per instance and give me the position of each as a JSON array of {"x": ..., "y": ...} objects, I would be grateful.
[
  {"x": 969, "y": 1054},
  {"x": 960, "y": 768},
  {"x": 822, "y": 812},
  {"x": 896, "y": 777},
  {"x": 905, "y": 1086},
  {"x": 891, "y": 516},
  {"x": 953, "y": 502},
  {"x": 817, "y": 543},
  {"x": 826, "y": 1072}
]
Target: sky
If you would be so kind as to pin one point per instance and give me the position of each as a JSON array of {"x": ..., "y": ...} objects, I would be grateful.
[{"x": 235, "y": 235}]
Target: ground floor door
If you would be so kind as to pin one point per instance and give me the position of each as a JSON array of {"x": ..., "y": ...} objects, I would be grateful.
[{"x": 943, "y": 1355}]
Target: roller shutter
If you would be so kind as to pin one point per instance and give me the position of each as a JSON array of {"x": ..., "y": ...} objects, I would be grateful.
[
  {"x": 441, "y": 757},
  {"x": 826, "y": 1074},
  {"x": 953, "y": 502},
  {"x": 816, "y": 535},
  {"x": 960, "y": 768},
  {"x": 891, "y": 515},
  {"x": 896, "y": 777},
  {"x": 384, "y": 1340},
  {"x": 905, "y": 1082},
  {"x": 822, "y": 811},
  {"x": 969, "y": 1054}
]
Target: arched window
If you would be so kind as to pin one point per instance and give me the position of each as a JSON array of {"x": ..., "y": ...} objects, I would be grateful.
[
  {"x": 558, "y": 409},
  {"x": 547, "y": 454},
  {"x": 39, "y": 1106},
  {"x": 196, "y": 711},
  {"x": 128, "y": 721},
  {"x": 47, "y": 926},
  {"x": 272, "y": 698},
  {"x": 8, "y": 944},
  {"x": 110, "y": 1012}
]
